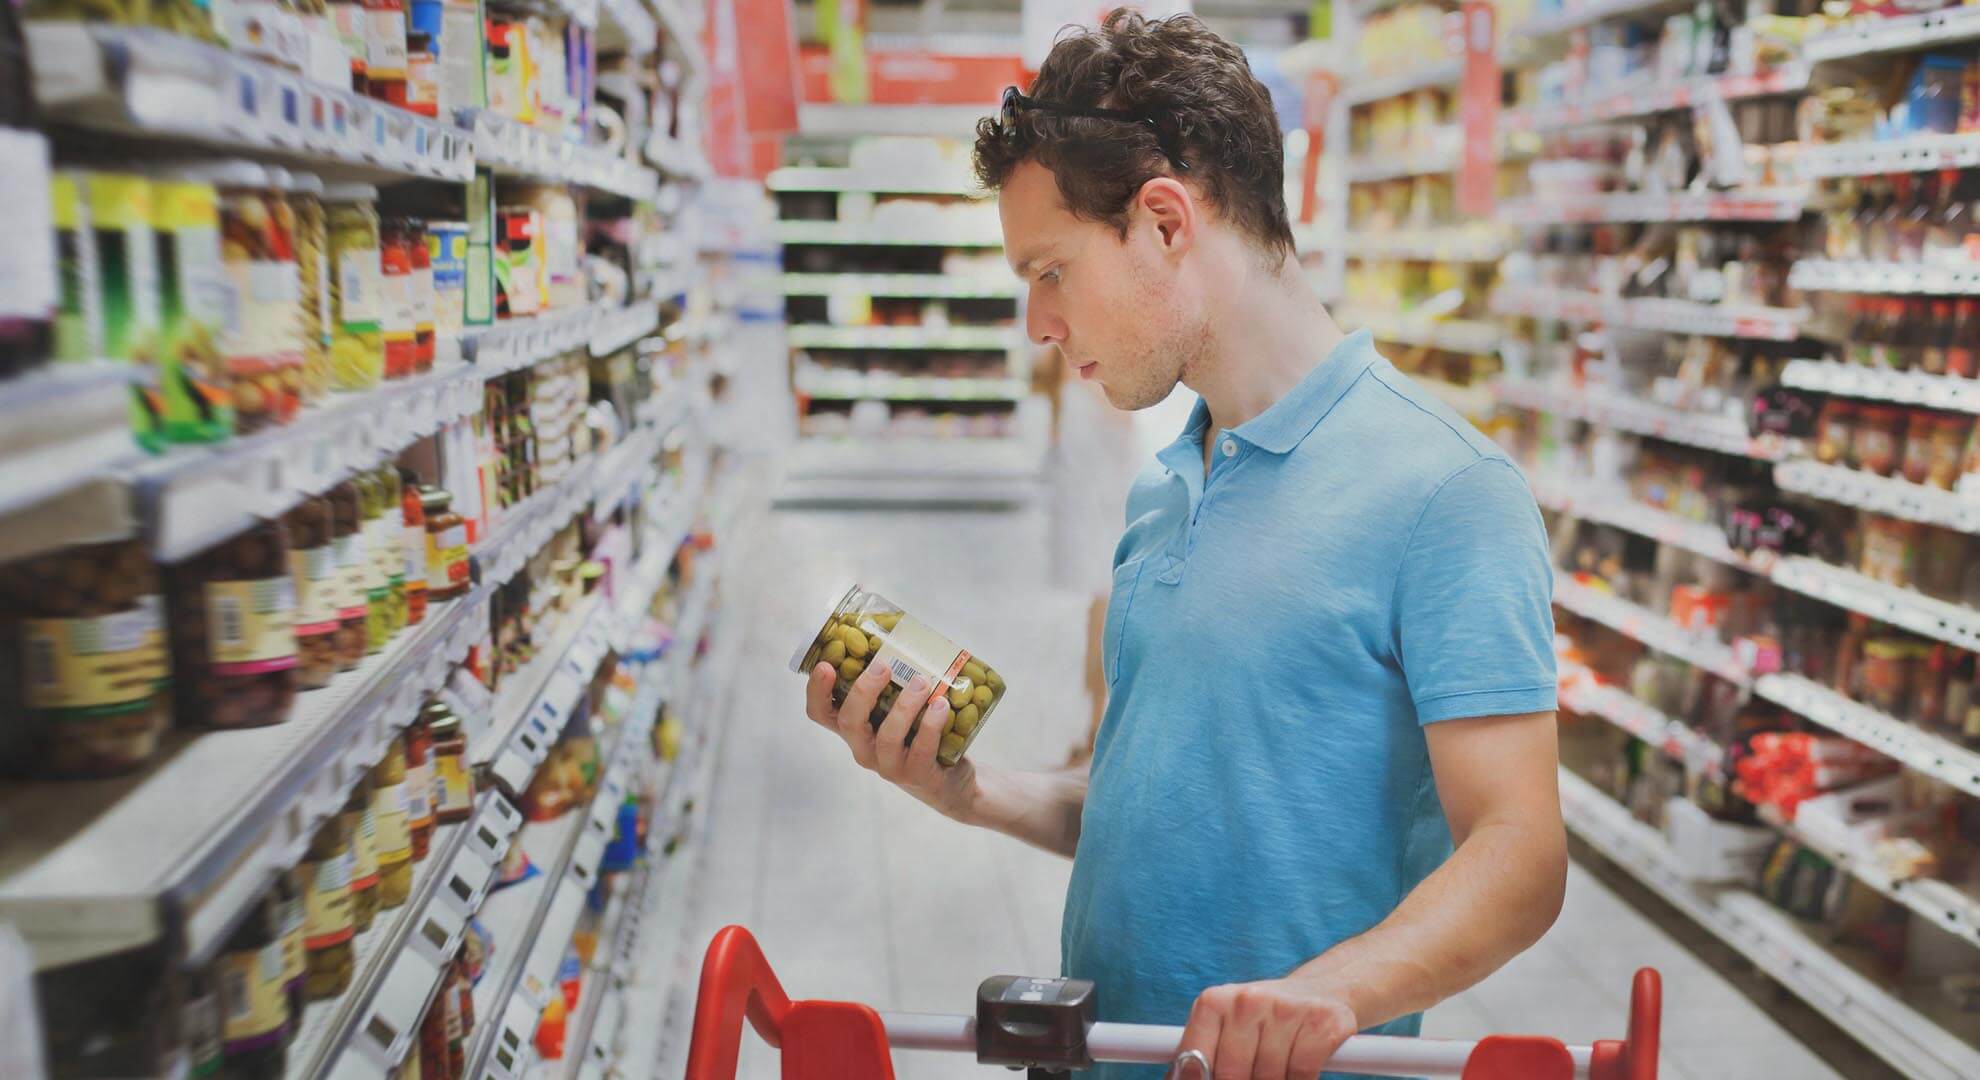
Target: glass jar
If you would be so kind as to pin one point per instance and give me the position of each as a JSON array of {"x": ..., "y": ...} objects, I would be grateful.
[
  {"x": 396, "y": 317},
  {"x": 446, "y": 546},
  {"x": 193, "y": 307},
  {"x": 1948, "y": 439},
  {"x": 233, "y": 630},
  {"x": 328, "y": 926},
  {"x": 1917, "y": 464},
  {"x": 88, "y": 625},
  {"x": 290, "y": 890},
  {"x": 1835, "y": 432},
  {"x": 419, "y": 786},
  {"x": 391, "y": 549},
  {"x": 200, "y": 1024},
  {"x": 1878, "y": 439},
  {"x": 1888, "y": 673},
  {"x": 377, "y": 587},
  {"x": 364, "y": 854},
  {"x": 313, "y": 566},
  {"x": 389, "y": 820},
  {"x": 313, "y": 268},
  {"x": 424, "y": 317},
  {"x": 453, "y": 786},
  {"x": 347, "y": 540},
  {"x": 866, "y": 628},
  {"x": 357, "y": 339},
  {"x": 254, "y": 1003},
  {"x": 262, "y": 342},
  {"x": 412, "y": 540}
]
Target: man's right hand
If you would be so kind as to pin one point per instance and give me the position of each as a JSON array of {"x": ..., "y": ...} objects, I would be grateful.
[{"x": 886, "y": 750}]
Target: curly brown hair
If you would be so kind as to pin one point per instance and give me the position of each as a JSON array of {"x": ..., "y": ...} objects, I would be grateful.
[{"x": 1175, "y": 69}]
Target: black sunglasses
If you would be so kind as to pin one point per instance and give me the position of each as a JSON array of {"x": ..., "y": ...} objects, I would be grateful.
[{"x": 1161, "y": 125}]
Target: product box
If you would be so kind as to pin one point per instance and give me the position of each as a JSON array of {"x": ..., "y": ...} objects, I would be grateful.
[
  {"x": 1709, "y": 850},
  {"x": 478, "y": 271}
]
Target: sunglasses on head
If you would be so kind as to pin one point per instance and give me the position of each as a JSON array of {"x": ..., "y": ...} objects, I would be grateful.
[{"x": 1161, "y": 125}]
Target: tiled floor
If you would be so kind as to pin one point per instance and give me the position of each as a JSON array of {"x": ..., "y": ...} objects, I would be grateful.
[{"x": 857, "y": 892}]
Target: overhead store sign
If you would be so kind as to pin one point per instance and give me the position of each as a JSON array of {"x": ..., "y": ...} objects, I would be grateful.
[
  {"x": 1043, "y": 20},
  {"x": 767, "y": 55},
  {"x": 1478, "y": 111}
]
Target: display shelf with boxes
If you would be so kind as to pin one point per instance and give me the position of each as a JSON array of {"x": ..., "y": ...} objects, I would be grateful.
[
  {"x": 1957, "y": 393},
  {"x": 1650, "y": 208},
  {"x": 1892, "y": 495},
  {"x": 1452, "y": 245},
  {"x": 1648, "y": 94},
  {"x": 1625, "y": 413},
  {"x": 1668, "y": 315},
  {"x": 1829, "y": 275}
]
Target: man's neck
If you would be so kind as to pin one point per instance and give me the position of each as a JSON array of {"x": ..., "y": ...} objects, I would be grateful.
[{"x": 1270, "y": 331}]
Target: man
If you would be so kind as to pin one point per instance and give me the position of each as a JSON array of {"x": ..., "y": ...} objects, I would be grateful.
[{"x": 1323, "y": 795}]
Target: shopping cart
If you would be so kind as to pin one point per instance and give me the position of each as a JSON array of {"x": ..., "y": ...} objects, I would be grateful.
[{"x": 1049, "y": 1026}]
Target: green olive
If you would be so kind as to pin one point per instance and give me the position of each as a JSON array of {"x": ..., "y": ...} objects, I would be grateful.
[
  {"x": 975, "y": 672},
  {"x": 888, "y": 620},
  {"x": 982, "y": 696},
  {"x": 834, "y": 654},
  {"x": 850, "y": 668},
  {"x": 966, "y": 720},
  {"x": 951, "y": 749},
  {"x": 993, "y": 680},
  {"x": 958, "y": 696},
  {"x": 856, "y": 645}
]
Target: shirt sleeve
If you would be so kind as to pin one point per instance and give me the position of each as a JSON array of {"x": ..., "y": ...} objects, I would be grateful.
[{"x": 1474, "y": 599}]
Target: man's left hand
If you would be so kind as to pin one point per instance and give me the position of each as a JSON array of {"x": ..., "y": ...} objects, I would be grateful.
[{"x": 1280, "y": 1029}]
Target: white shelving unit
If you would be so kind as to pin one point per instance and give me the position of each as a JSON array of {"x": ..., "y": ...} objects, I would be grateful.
[
  {"x": 1654, "y": 314},
  {"x": 1648, "y": 208},
  {"x": 1609, "y": 409}
]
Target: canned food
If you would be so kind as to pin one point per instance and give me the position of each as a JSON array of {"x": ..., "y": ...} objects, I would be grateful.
[{"x": 867, "y": 628}]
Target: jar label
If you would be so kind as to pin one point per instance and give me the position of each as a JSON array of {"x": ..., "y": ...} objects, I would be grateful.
[
  {"x": 374, "y": 549},
  {"x": 396, "y": 314},
  {"x": 385, "y": 42},
  {"x": 315, "y": 573},
  {"x": 251, "y": 625},
  {"x": 391, "y": 544},
  {"x": 97, "y": 663},
  {"x": 350, "y": 567},
  {"x": 267, "y": 330},
  {"x": 357, "y": 290},
  {"x": 419, "y": 795},
  {"x": 393, "y": 832},
  {"x": 293, "y": 960},
  {"x": 252, "y": 999},
  {"x": 455, "y": 786},
  {"x": 413, "y": 555},
  {"x": 422, "y": 298},
  {"x": 349, "y": 18},
  {"x": 446, "y": 557},
  {"x": 364, "y": 849},
  {"x": 327, "y": 911},
  {"x": 911, "y": 649},
  {"x": 201, "y": 1029}
]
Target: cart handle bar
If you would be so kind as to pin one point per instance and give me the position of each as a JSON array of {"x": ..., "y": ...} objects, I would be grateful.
[{"x": 829, "y": 1040}]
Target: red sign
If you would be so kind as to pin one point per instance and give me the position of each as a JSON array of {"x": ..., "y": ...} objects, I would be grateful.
[
  {"x": 766, "y": 56},
  {"x": 1478, "y": 111},
  {"x": 916, "y": 78},
  {"x": 1321, "y": 87}
]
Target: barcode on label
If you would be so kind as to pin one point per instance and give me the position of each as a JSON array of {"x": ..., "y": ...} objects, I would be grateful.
[
  {"x": 232, "y": 630},
  {"x": 904, "y": 672},
  {"x": 42, "y": 671},
  {"x": 236, "y": 994}
]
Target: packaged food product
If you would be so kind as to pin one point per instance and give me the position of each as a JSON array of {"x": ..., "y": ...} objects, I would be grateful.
[
  {"x": 390, "y": 549},
  {"x": 377, "y": 586},
  {"x": 419, "y": 786},
  {"x": 422, "y": 294},
  {"x": 313, "y": 566},
  {"x": 349, "y": 18},
  {"x": 431, "y": 1050},
  {"x": 88, "y": 624},
  {"x": 313, "y": 267},
  {"x": 200, "y": 1024},
  {"x": 193, "y": 297},
  {"x": 453, "y": 779},
  {"x": 232, "y": 609},
  {"x": 1889, "y": 667},
  {"x": 1917, "y": 462},
  {"x": 79, "y": 316},
  {"x": 1948, "y": 444},
  {"x": 290, "y": 890},
  {"x": 253, "y": 1000},
  {"x": 446, "y": 250},
  {"x": 391, "y": 826},
  {"x": 412, "y": 545},
  {"x": 263, "y": 342},
  {"x": 347, "y": 541},
  {"x": 328, "y": 925},
  {"x": 518, "y": 262},
  {"x": 357, "y": 340},
  {"x": 120, "y": 216},
  {"x": 358, "y": 820},
  {"x": 867, "y": 628},
  {"x": 447, "y": 568},
  {"x": 395, "y": 277},
  {"x": 1879, "y": 439},
  {"x": 1835, "y": 437},
  {"x": 422, "y": 73},
  {"x": 385, "y": 50}
]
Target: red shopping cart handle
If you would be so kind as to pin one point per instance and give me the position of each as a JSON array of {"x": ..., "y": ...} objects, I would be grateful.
[{"x": 835, "y": 1040}]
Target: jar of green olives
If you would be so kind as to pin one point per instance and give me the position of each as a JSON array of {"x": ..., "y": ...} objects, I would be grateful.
[{"x": 867, "y": 628}]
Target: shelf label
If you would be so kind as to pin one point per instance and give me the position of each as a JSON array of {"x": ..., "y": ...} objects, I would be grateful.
[
  {"x": 438, "y": 933},
  {"x": 469, "y": 877},
  {"x": 388, "y": 1027}
]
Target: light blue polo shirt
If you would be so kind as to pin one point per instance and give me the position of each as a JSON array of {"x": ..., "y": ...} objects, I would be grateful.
[{"x": 1359, "y": 562}]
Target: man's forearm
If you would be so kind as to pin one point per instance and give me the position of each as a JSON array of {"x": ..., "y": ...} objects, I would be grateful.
[
  {"x": 1040, "y": 808},
  {"x": 1497, "y": 894}
]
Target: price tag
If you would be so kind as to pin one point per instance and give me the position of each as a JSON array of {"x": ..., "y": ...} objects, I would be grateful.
[
  {"x": 388, "y": 1027},
  {"x": 584, "y": 860},
  {"x": 288, "y": 118},
  {"x": 511, "y": 1056},
  {"x": 243, "y": 117},
  {"x": 438, "y": 933}
]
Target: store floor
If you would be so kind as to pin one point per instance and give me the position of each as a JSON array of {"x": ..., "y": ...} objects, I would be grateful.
[{"x": 859, "y": 893}]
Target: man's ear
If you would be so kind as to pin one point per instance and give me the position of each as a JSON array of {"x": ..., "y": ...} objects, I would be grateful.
[{"x": 1166, "y": 206}]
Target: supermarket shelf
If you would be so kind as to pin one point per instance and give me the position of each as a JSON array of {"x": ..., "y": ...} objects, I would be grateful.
[
  {"x": 974, "y": 235},
  {"x": 1451, "y": 335},
  {"x": 810, "y": 178},
  {"x": 190, "y": 840},
  {"x": 1756, "y": 205},
  {"x": 1950, "y": 392},
  {"x": 966, "y": 470},
  {"x": 1867, "y": 37},
  {"x": 149, "y": 82},
  {"x": 62, "y": 427},
  {"x": 1750, "y": 322},
  {"x": 934, "y": 286},
  {"x": 819, "y": 336},
  {"x": 1955, "y": 624},
  {"x": 1615, "y": 507},
  {"x": 1771, "y": 939},
  {"x": 1878, "y": 157},
  {"x": 1826, "y": 275},
  {"x": 1647, "y": 95},
  {"x": 398, "y": 962},
  {"x": 1470, "y": 401},
  {"x": 1625, "y": 413},
  {"x": 591, "y": 1029},
  {"x": 1952, "y": 909},
  {"x": 196, "y": 496},
  {"x": 513, "y": 148},
  {"x": 1913, "y": 746},
  {"x": 532, "y": 705},
  {"x": 1359, "y": 90},
  {"x": 1657, "y": 631},
  {"x": 1576, "y": 16},
  {"x": 1890, "y": 495},
  {"x": 627, "y": 25},
  {"x": 1455, "y": 244},
  {"x": 1582, "y": 692},
  {"x": 512, "y": 344},
  {"x": 855, "y": 386},
  {"x": 1441, "y": 155}
]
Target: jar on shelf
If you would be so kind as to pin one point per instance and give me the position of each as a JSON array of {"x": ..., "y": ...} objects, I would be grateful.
[
  {"x": 88, "y": 627},
  {"x": 1878, "y": 439},
  {"x": 328, "y": 926},
  {"x": 424, "y": 318},
  {"x": 447, "y": 570},
  {"x": 1948, "y": 444},
  {"x": 364, "y": 854},
  {"x": 1835, "y": 432},
  {"x": 232, "y": 609},
  {"x": 200, "y": 1024},
  {"x": 377, "y": 587},
  {"x": 453, "y": 785},
  {"x": 419, "y": 786},
  {"x": 392, "y": 827},
  {"x": 347, "y": 540},
  {"x": 357, "y": 340},
  {"x": 1917, "y": 462},
  {"x": 262, "y": 342},
  {"x": 396, "y": 316},
  {"x": 391, "y": 548},
  {"x": 313, "y": 566},
  {"x": 1889, "y": 670},
  {"x": 254, "y": 1004},
  {"x": 313, "y": 267},
  {"x": 412, "y": 539},
  {"x": 291, "y": 892}
]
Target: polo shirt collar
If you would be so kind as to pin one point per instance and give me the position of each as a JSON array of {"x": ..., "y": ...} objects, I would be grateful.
[{"x": 1286, "y": 423}]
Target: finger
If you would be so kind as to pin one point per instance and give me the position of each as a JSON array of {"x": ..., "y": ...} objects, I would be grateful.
[
  {"x": 853, "y": 712},
  {"x": 1237, "y": 1049},
  {"x": 1206, "y": 1022},
  {"x": 1312, "y": 1048},
  {"x": 935, "y": 723},
  {"x": 818, "y": 696},
  {"x": 1275, "y": 1042},
  {"x": 890, "y": 742}
]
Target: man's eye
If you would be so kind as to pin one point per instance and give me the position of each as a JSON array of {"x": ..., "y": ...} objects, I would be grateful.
[{"x": 1051, "y": 275}]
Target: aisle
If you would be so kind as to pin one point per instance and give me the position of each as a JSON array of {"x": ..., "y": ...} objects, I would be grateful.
[{"x": 857, "y": 892}]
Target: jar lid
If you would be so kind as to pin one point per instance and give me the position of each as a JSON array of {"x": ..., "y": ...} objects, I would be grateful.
[
  {"x": 433, "y": 498},
  {"x": 351, "y": 193},
  {"x": 281, "y": 179},
  {"x": 797, "y": 658},
  {"x": 227, "y": 173}
]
